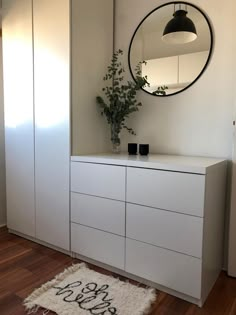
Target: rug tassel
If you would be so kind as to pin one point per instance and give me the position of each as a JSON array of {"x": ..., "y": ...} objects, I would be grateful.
[
  {"x": 33, "y": 310},
  {"x": 152, "y": 299}
]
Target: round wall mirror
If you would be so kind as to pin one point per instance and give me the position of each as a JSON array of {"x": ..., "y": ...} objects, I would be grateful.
[{"x": 171, "y": 48}]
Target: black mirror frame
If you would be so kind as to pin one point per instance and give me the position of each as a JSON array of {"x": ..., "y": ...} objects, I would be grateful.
[{"x": 210, "y": 50}]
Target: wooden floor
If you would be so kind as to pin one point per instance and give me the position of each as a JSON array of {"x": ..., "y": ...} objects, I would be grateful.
[{"x": 25, "y": 265}]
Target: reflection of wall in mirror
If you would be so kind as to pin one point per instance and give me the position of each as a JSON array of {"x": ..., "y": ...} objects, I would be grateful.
[
  {"x": 176, "y": 72},
  {"x": 149, "y": 35},
  {"x": 155, "y": 47},
  {"x": 165, "y": 61}
]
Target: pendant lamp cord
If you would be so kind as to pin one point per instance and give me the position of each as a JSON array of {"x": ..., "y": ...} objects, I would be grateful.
[{"x": 180, "y": 7}]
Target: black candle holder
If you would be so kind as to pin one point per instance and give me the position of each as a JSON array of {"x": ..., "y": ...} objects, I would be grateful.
[
  {"x": 143, "y": 149},
  {"x": 132, "y": 148}
]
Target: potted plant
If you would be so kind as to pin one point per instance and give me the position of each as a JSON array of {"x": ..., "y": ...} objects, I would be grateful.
[{"x": 120, "y": 98}]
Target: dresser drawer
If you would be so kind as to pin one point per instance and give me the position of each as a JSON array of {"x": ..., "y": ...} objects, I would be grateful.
[
  {"x": 98, "y": 180},
  {"x": 104, "y": 214},
  {"x": 179, "y": 192},
  {"x": 175, "y": 231},
  {"x": 176, "y": 271},
  {"x": 101, "y": 246}
]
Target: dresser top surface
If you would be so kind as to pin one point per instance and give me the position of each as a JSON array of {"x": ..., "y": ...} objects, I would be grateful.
[{"x": 178, "y": 163}]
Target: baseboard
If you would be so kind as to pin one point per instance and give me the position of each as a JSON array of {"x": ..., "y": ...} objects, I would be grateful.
[
  {"x": 3, "y": 225},
  {"x": 35, "y": 240}
]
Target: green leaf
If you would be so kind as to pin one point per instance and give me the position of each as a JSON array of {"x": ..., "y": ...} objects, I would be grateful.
[{"x": 119, "y": 99}]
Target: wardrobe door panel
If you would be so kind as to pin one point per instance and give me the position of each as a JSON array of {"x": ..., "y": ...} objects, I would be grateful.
[
  {"x": 52, "y": 115},
  {"x": 19, "y": 121}
]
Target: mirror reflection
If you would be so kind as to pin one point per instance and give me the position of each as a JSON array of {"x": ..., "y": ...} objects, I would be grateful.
[{"x": 171, "y": 47}]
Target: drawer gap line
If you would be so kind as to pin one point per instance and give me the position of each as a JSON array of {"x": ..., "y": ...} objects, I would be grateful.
[
  {"x": 91, "y": 227},
  {"x": 80, "y": 193},
  {"x": 181, "y": 213},
  {"x": 165, "y": 248}
]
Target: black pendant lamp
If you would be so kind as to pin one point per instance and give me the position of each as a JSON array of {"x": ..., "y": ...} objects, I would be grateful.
[{"x": 180, "y": 29}]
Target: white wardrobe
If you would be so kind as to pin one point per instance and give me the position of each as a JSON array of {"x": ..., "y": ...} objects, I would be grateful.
[{"x": 37, "y": 94}]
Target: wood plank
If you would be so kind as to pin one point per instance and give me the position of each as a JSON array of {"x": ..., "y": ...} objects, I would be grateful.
[
  {"x": 233, "y": 308},
  {"x": 11, "y": 304}
]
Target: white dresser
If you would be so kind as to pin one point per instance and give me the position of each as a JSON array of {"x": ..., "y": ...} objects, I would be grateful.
[{"x": 158, "y": 218}]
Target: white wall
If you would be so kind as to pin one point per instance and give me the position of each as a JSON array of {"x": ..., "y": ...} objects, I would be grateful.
[
  {"x": 92, "y": 47},
  {"x": 2, "y": 151},
  {"x": 232, "y": 217},
  {"x": 199, "y": 120}
]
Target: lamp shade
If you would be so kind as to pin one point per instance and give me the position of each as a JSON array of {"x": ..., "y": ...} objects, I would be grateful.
[{"x": 180, "y": 29}]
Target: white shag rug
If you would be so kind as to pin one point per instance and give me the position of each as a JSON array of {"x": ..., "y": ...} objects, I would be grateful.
[{"x": 82, "y": 291}]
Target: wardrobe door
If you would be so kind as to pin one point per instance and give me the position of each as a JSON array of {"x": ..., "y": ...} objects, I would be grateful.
[
  {"x": 52, "y": 114},
  {"x": 19, "y": 111}
]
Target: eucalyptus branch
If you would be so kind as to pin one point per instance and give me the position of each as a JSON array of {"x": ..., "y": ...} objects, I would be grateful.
[{"x": 120, "y": 97}]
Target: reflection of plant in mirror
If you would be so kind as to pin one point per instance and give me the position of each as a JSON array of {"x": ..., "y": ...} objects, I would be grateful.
[
  {"x": 161, "y": 90},
  {"x": 141, "y": 80},
  {"x": 120, "y": 98}
]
